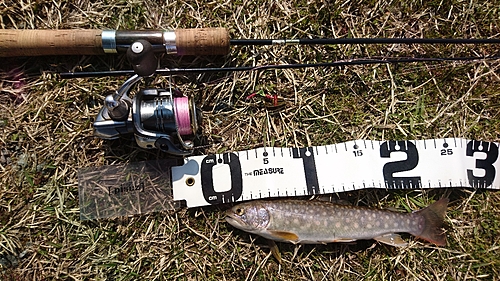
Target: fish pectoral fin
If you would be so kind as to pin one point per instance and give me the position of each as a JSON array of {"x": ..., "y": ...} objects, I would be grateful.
[
  {"x": 274, "y": 250},
  {"x": 392, "y": 239},
  {"x": 285, "y": 235}
]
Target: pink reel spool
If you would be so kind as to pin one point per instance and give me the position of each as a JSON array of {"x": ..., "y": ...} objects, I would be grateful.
[{"x": 183, "y": 115}]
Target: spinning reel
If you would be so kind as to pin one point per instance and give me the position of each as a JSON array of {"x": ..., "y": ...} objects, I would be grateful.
[{"x": 158, "y": 118}]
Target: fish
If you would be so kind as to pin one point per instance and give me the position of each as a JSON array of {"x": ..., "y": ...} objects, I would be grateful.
[{"x": 319, "y": 222}]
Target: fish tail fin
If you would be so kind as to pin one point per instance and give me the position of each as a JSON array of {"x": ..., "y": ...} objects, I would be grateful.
[{"x": 433, "y": 216}]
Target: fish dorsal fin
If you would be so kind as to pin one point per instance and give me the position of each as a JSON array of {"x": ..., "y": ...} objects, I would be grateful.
[
  {"x": 392, "y": 239},
  {"x": 285, "y": 235}
]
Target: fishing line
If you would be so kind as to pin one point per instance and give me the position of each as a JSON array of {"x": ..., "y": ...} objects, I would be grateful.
[{"x": 182, "y": 115}]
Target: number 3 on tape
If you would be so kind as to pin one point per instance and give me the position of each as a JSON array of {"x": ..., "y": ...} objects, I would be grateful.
[{"x": 277, "y": 172}]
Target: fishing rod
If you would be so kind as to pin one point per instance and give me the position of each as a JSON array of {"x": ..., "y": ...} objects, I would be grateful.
[
  {"x": 194, "y": 41},
  {"x": 165, "y": 118}
]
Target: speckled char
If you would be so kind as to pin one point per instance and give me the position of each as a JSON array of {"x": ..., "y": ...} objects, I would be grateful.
[{"x": 299, "y": 221}]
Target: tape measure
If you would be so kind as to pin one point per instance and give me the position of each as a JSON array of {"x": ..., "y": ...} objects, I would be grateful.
[
  {"x": 353, "y": 165},
  {"x": 138, "y": 188}
]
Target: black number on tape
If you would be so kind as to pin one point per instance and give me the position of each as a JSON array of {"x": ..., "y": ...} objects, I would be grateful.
[
  {"x": 310, "y": 172},
  {"x": 445, "y": 152},
  {"x": 358, "y": 153},
  {"x": 491, "y": 151},
  {"x": 400, "y": 166},
  {"x": 207, "y": 181}
]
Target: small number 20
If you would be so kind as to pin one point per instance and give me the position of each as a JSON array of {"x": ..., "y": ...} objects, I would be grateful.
[{"x": 448, "y": 151}]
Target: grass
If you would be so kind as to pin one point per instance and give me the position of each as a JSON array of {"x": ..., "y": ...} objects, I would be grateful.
[{"x": 46, "y": 137}]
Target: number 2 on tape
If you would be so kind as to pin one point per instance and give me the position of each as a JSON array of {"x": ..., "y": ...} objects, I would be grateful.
[{"x": 409, "y": 164}]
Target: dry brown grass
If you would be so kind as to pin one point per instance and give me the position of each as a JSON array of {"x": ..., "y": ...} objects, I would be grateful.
[{"x": 47, "y": 136}]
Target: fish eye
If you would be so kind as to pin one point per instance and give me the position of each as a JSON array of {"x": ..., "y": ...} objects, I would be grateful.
[{"x": 240, "y": 211}]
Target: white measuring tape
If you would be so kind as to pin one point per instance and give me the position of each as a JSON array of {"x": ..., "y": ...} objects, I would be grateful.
[
  {"x": 279, "y": 172},
  {"x": 143, "y": 187}
]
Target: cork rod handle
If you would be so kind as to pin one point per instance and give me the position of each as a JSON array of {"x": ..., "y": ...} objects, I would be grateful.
[
  {"x": 194, "y": 41},
  {"x": 50, "y": 42},
  {"x": 202, "y": 41}
]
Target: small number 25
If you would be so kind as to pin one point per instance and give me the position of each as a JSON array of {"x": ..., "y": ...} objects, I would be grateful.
[{"x": 448, "y": 151}]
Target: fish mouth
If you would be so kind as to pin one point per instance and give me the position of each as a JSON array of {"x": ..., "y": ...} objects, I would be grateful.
[
  {"x": 235, "y": 221},
  {"x": 232, "y": 219}
]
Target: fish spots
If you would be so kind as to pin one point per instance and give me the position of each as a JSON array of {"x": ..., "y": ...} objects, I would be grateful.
[
  {"x": 325, "y": 223},
  {"x": 377, "y": 223},
  {"x": 338, "y": 224},
  {"x": 317, "y": 222},
  {"x": 356, "y": 225},
  {"x": 369, "y": 226},
  {"x": 347, "y": 220},
  {"x": 386, "y": 225},
  {"x": 396, "y": 224},
  {"x": 296, "y": 221}
]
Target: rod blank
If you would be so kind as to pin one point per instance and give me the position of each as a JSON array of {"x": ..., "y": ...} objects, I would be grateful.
[{"x": 343, "y": 41}]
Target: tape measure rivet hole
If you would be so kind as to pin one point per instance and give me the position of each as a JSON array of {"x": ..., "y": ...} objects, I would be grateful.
[{"x": 190, "y": 181}]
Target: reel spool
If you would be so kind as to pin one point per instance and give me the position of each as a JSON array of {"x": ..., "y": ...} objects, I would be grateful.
[{"x": 158, "y": 118}]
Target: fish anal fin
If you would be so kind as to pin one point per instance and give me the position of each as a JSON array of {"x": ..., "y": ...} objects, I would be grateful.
[
  {"x": 274, "y": 250},
  {"x": 285, "y": 235},
  {"x": 391, "y": 239}
]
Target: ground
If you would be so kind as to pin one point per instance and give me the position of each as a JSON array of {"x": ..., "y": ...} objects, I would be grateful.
[{"x": 46, "y": 138}]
